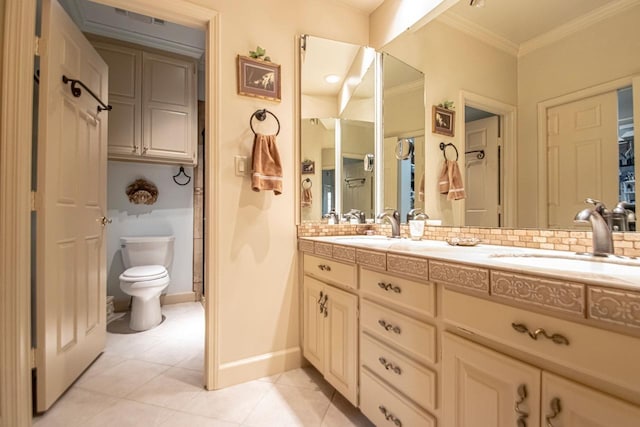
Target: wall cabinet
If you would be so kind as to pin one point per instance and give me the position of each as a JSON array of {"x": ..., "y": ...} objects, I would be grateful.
[
  {"x": 154, "y": 99},
  {"x": 482, "y": 387},
  {"x": 330, "y": 322}
]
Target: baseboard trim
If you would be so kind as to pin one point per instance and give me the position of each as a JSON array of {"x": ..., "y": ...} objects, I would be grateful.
[
  {"x": 178, "y": 298},
  {"x": 260, "y": 366}
]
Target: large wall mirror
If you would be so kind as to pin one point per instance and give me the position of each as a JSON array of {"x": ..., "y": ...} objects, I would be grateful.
[
  {"x": 339, "y": 142},
  {"x": 547, "y": 90}
]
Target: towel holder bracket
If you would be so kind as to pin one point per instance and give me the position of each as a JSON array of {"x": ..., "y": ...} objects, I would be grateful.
[
  {"x": 444, "y": 146},
  {"x": 261, "y": 115}
]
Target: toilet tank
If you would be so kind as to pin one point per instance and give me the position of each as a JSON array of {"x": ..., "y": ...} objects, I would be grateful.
[{"x": 149, "y": 250}]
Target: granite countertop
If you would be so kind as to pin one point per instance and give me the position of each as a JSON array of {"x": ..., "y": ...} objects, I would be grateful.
[{"x": 614, "y": 271}]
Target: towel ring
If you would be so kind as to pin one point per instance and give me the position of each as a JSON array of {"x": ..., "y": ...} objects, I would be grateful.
[
  {"x": 307, "y": 183},
  {"x": 261, "y": 115},
  {"x": 182, "y": 172},
  {"x": 444, "y": 146}
]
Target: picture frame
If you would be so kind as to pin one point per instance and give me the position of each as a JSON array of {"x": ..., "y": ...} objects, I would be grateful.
[
  {"x": 308, "y": 167},
  {"x": 258, "y": 78},
  {"x": 443, "y": 121}
]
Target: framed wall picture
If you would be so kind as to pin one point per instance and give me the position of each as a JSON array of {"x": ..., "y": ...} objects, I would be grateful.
[
  {"x": 308, "y": 167},
  {"x": 259, "y": 79},
  {"x": 443, "y": 121}
]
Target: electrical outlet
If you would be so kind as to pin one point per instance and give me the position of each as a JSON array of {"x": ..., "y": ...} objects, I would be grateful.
[{"x": 241, "y": 165}]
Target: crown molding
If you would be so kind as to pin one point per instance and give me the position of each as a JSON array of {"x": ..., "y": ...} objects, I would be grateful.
[
  {"x": 575, "y": 25},
  {"x": 469, "y": 27}
]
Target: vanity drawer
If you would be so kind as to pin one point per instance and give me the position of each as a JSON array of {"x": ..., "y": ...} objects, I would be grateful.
[
  {"x": 385, "y": 407},
  {"x": 416, "y": 338},
  {"x": 413, "y": 380},
  {"x": 415, "y": 296},
  {"x": 600, "y": 354},
  {"x": 330, "y": 270}
]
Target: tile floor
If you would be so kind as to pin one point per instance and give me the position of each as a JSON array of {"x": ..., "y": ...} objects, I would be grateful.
[{"x": 154, "y": 378}]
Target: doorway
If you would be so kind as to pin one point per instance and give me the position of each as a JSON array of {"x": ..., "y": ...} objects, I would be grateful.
[{"x": 16, "y": 137}]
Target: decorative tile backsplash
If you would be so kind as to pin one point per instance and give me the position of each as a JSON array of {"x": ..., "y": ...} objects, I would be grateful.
[{"x": 627, "y": 244}]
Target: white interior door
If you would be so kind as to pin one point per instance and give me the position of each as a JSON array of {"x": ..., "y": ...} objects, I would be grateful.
[
  {"x": 481, "y": 184},
  {"x": 582, "y": 151},
  {"x": 71, "y": 261}
]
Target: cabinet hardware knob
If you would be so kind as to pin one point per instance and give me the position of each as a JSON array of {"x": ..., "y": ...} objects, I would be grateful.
[
  {"x": 556, "y": 338},
  {"x": 323, "y": 303},
  {"x": 522, "y": 415},
  {"x": 324, "y": 267},
  {"x": 144, "y": 150},
  {"x": 556, "y": 408},
  {"x": 103, "y": 220},
  {"x": 389, "y": 416},
  {"x": 135, "y": 149},
  {"x": 389, "y": 287},
  {"x": 389, "y": 366},
  {"x": 389, "y": 327}
]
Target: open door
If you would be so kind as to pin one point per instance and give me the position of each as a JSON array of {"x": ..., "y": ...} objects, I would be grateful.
[{"x": 71, "y": 258}]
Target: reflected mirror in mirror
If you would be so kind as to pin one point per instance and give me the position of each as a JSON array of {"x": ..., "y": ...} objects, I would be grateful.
[
  {"x": 562, "y": 85},
  {"x": 403, "y": 129}
]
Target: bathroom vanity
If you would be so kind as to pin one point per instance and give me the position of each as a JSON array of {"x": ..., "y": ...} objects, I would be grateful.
[{"x": 427, "y": 334}]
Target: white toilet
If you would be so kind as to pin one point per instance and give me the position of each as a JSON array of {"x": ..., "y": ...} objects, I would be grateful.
[{"x": 146, "y": 260}]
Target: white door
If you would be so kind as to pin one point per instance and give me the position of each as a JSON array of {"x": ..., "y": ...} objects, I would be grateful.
[
  {"x": 71, "y": 261},
  {"x": 582, "y": 156},
  {"x": 483, "y": 388},
  {"x": 568, "y": 404},
  {"x": 482, "y": 174},
  {"x": 340, "y": 341}
]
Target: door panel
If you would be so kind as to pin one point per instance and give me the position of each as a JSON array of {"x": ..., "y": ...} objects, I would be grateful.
[
  {"x": 70, "y": 259},
  {"x": 582, "y": 156},
  {"x": 313, "y": 322},
  {"x": 481, "y": 182},
  {"x": 480, "y": 386}
]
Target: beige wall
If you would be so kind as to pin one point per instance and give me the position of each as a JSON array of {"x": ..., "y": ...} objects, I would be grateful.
[
  {"x": 452, "y": 61},
  {"x": 601, "y": 53},
  {"x": 258, "y": 287}
]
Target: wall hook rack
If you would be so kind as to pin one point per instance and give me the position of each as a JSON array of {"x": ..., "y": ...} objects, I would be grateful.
[
  {"x": 76, "y": 91},
  {"x": 183, "y": 173}
]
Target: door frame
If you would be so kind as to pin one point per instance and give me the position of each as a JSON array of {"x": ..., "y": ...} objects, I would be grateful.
[
  {"x": 16, "y": 200},
  {"x": 543, "y": 193},
  {"x": 508, "y": 137}
]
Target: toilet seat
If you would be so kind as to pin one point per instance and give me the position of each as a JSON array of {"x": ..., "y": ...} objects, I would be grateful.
[{"x": 143, "y": 273}]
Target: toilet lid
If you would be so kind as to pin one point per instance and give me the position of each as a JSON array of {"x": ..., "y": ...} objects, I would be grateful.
[{"x": 144, "y": 272}]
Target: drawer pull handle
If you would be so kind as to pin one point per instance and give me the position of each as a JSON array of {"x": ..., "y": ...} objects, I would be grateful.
[
  {"x": 389, "y": 326},
  {"x": 389, "y": 416},
  {"x": 324, "y": 267},
  {"x": 556, "y": 408},
  {"x": 389, "y": 287},
  {"x": 323, "y": 304},
  {"x": 389, "y": 366},
  {"x": 522, "y": 415},
  {"x": 556, "y": 338}
]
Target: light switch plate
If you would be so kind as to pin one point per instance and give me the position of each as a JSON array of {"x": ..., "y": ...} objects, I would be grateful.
[{"x": 241, "y": 165}]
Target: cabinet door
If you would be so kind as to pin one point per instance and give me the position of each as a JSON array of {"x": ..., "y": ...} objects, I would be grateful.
[
  {"x": 313, "y": 322},
  {"x": 125, "y": 96},
  {"x": 169, "y": 108},
  {"x": 568, "y": 404},
  {"x": 341, "y": 340},
  {"x": 482, "y": 387}
]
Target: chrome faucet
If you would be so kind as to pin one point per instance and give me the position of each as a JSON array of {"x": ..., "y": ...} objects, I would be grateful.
[
  {"x": 394, "y": 220},
  {"x": 416, "y": 213},
  {"x": 333, "y": 217},
  {"x": 356, "y": 214},
  {"x": 601, "y": 233}
]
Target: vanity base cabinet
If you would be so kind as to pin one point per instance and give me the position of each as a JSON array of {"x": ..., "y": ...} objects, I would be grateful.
[
  {"x": 330, "y": 325},
  {"x": 483, "y": 388}
]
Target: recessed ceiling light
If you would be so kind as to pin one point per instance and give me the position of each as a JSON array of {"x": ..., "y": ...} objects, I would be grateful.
[{"x": 331, "y": 78}]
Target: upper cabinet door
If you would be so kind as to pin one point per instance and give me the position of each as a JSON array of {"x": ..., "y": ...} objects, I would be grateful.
[
  {"x": 568, "y": 404},
  {"x": 169, "y": 113},
  {"x": 483, "y": 388},
  {"x": 125, "y": 95}
]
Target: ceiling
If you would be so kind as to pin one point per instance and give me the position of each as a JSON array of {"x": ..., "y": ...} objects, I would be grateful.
[{"x": 367, "y": 6}]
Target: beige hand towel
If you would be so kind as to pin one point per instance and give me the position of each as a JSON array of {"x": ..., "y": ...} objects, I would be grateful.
[
  {"x": 443, "y": 180},
  {"x": 266, "y": 166},
  {"x": 307, "y": 197},
  {"x": 456, "y": 187}
]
